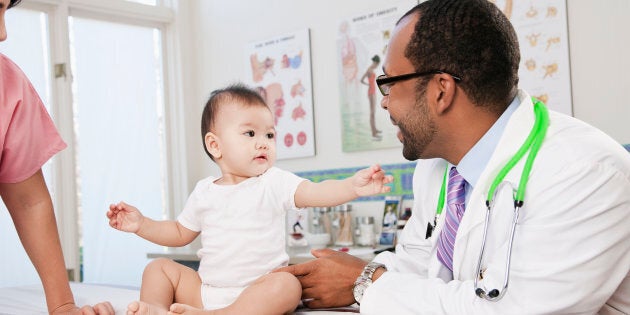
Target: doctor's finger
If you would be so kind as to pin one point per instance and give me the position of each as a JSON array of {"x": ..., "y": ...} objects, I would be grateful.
[
  {"x": 297, "y": 270},
  {"x": 318, "y": 253},
  {"x": 309, "y": 294},
  {"x": 312, "y": 303},
  {"x": 325, "y": 298}
]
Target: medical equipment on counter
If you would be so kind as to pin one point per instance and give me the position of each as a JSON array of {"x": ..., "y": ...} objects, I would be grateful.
[
  {"x": 364, "y": 231},
  {"x": 320, "y": 226},
  {"x": 343, "y": 221}
]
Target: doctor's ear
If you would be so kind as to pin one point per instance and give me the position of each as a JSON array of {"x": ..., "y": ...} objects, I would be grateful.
[
  {"x": 444, "y": 95},
  {"x": 212, "y": 145}
]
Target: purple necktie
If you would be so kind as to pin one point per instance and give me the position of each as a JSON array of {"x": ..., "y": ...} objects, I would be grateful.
[{"x": 455, "y": 206}]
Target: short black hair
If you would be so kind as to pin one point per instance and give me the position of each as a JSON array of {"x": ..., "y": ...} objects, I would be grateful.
[
  {"x": 237, "y": 92},
  {"x": 472, "y": 39}
]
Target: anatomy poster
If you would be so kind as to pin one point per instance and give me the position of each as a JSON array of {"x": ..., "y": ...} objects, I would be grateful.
[
  {"x": 361, "y": 41},
  {"x": 544, "y": 71},
  {"x": 280, "y": 69}
]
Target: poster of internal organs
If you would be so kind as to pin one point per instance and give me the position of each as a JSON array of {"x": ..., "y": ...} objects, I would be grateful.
[
  {"x": 541, "y": 27},
  {"x": 361, "y": 43},
  {"x": 280, "y": 69}
]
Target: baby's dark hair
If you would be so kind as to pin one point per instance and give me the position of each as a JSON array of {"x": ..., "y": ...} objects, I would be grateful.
[
  {"x": 13, "y": 3},
  {"x": 237, "y": 93}
]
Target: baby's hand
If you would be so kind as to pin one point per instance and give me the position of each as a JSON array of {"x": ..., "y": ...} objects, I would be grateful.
[
  {"x": 124, "y": 217},
  {"x": 372, "y": 181}
]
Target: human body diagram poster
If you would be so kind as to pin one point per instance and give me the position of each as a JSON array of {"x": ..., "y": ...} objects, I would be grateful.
[
  {"x": 280, "y": 69},
  {"x": 361, "y": 43},
  {"x": 544, "y": 71}
]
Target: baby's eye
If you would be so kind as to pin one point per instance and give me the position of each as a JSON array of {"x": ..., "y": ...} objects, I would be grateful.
[
  {"x": 271, "y": 135},
  {"x": 249, "y": 133}
]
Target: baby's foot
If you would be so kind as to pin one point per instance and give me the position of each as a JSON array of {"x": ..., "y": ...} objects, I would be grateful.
[
  {"x": 179, "y": 308},
  {"x": 142, "y": 308}
]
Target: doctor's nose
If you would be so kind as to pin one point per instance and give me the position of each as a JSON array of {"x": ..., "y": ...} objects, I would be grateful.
[{"x": 384, "y": 102}]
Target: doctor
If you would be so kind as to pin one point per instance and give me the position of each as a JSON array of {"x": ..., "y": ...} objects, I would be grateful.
[{"x": 450, "y": 85}]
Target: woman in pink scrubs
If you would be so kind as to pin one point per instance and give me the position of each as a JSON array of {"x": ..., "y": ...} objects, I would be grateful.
[{"x": 28, "y": 139}]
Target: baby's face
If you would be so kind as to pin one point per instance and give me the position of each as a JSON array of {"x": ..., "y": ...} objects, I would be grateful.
[{"x": 247, "y": 139}]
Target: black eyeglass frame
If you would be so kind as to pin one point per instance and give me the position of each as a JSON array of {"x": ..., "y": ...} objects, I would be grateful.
[{"x": 382, "y": 79}]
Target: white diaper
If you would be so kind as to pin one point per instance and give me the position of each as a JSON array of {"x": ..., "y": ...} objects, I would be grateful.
[{"x": 213, "y": 298}]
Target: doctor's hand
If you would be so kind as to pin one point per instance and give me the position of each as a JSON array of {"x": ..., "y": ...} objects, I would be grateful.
[
  {"x": 125, "y": 217},
  {"x": 328, "y": 280}
]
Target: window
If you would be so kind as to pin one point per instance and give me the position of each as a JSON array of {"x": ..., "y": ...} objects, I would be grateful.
[
  {"x": 118, "y": 107},
  {"x": 113, "y": 100}
]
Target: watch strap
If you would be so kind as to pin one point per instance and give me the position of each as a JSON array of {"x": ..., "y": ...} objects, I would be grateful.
[
  {"x": 365, "y": 279},
  {"x": 370, "y": 268}
]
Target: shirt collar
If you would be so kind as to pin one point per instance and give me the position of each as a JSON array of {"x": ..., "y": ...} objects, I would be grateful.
[{"x": 476, "y": 159}]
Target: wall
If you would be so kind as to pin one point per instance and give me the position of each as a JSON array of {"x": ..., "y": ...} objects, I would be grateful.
[
  {"x": 598, "y": 52},
  {"x": 225, "y": 27}
]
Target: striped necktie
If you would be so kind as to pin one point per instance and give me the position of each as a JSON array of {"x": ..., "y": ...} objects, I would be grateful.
[{"x": 455, "y": 206}]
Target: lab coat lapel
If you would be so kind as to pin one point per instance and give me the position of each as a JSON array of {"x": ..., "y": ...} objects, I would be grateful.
[{"x": 470, "y": 231}]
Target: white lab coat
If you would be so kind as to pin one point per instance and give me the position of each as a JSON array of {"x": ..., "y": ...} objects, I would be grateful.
[{"x": 571, "y": 251}]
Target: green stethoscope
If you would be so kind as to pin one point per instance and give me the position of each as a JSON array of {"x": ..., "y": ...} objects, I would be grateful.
[{"x": 532, "y": 145}]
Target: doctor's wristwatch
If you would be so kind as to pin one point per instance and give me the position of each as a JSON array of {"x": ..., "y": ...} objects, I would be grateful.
[{"x": 365, "y": 279}]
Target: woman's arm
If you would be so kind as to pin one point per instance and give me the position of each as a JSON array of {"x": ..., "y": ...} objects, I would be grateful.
[
  {"x": 31, "y": 209},
  {"x": 365, "y": 75}
]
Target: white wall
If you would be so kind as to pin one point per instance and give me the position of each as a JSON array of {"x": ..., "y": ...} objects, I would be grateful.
[
  {"x": 219, "y": 31},
  {"x": 599, "y": 49}
]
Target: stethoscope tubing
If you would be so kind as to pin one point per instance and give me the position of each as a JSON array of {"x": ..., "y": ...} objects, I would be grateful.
[{"x": 532, "y": 144}]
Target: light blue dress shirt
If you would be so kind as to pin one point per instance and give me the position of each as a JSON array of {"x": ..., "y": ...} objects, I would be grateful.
[{"x": 476, "y": 160}]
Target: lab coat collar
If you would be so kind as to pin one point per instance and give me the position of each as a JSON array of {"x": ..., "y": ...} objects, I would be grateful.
[{"x": 513, "y": 137}]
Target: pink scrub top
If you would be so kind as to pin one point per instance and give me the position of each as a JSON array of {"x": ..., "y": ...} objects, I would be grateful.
[{"x": 28, "y": 137}]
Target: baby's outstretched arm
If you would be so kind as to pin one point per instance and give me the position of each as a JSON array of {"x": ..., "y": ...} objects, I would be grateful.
[
  {"x": 365, "y": 182},
  {"x": 128, "y": 218}
]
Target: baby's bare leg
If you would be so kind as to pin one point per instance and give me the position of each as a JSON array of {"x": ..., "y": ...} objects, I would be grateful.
[
  {"x": 164, "y": 282},
  {"x": 272, "y": 294}
]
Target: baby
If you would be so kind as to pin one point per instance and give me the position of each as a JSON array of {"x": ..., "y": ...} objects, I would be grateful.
[{"x": 240, "y": 216}]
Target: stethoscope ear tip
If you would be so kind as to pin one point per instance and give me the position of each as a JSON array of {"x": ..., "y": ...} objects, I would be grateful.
[
  {"x": 479, "y": 292},
  {"x": 493, "y": 293}
]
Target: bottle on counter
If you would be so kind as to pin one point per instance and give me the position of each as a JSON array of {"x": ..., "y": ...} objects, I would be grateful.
[
  {"x": 364, "y": 231},
  {"x": 344, "y": 222}
]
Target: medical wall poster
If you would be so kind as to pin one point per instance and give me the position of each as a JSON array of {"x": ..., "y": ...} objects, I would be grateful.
[
  {"x": 280, "y": 69},
  {"x": 361, "y": 43},
  {"x": 544, "y": 71}
]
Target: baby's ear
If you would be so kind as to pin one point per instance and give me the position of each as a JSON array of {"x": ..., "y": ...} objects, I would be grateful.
[{"x": 212, "y": 145}]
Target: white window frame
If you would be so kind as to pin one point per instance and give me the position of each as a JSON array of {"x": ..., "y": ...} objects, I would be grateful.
[{"x": 164, "y": 16}]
